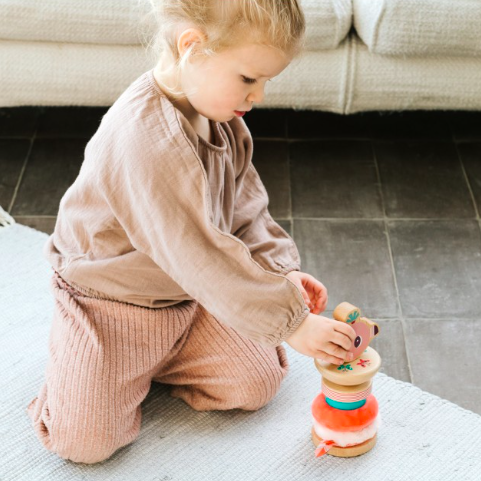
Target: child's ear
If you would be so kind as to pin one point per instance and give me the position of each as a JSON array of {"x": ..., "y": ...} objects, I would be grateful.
[{"x": 189, "y": 37}]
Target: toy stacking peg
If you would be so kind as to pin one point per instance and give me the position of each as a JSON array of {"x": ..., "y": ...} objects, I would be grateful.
[{"x": 345, "y": 414}]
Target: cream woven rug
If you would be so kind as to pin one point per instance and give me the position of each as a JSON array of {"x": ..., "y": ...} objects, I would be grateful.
[{"x": 422, "y": 437}]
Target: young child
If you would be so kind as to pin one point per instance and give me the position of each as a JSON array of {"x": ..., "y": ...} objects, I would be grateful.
[{"x": 167, "y": 264}]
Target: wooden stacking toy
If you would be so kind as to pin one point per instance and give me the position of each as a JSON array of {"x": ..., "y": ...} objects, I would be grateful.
[{"x": 345, "y": 414}]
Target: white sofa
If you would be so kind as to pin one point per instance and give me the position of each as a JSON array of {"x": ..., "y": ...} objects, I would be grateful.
[{"x": 361, "y": 54}]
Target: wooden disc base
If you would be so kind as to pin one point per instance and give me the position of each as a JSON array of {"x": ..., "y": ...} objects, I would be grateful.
[{"x": 349, "y": 451}]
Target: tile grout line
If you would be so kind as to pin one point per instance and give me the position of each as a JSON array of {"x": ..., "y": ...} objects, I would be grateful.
[
  {"x": 291, "y": 218},
  {"x": 24, "y": 167},
  {"x": 381, "y": 219},
  {"x": 466, "y": 179},
  {"x": 417, "y": 319},
  {"x": 393, "y": 270},
  {"x": 357, "y": 139},
  {"x": 40, "y": 216}
]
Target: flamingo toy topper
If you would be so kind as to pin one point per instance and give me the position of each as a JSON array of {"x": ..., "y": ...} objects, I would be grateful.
[{"x": 365, "y": 329}]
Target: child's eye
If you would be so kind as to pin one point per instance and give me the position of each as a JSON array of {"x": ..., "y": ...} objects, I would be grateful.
[{"x": 249, "y": 80}]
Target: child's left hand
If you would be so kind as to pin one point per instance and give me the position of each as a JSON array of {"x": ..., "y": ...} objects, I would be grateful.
[{"x": 313, "y": 291}]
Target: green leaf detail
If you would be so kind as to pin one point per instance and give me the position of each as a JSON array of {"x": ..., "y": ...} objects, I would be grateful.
[{"x": 353, "y": 316}]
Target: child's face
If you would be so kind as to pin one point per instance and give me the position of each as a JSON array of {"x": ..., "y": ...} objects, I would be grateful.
[
  {"x": 223, "y": 81},
  {"x": 221, "y": 84}
]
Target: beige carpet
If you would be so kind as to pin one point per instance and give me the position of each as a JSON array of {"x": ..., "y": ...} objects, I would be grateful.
[{"x": 422, "y": 437}]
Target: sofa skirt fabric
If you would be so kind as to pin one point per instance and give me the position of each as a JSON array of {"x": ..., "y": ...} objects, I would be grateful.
[
  {"x": 344, "y": 80},
  {"x": 47, "y": 73}
]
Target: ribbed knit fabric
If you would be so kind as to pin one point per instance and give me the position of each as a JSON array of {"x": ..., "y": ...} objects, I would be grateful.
[{"x": 103, "y": 355}]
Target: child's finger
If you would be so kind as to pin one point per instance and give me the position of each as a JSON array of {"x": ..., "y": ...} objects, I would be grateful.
[
  {"x": 324, "y": 356},
  {"x": 322, "y": 306},
  {"x": 321, "y": 302}
]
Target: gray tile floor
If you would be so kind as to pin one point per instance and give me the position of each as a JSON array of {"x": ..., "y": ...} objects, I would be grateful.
[{"x": 383, "y": 206}]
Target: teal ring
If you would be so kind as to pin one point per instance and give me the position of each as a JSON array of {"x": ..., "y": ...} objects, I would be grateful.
[{"x": 345, "y": 406}]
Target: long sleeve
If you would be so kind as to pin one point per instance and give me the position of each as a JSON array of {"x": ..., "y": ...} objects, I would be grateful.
[
  {"x": 156, "y": 186},
  {"x": 270, "y": 245}
]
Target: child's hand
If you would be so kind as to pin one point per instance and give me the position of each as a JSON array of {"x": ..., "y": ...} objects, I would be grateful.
[
  {"x": 313, "y": 291},
  {"x": 323, "y": 338}
]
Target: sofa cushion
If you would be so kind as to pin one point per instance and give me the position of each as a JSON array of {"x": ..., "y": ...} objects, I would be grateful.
[
  {"x": 327, "y": 22},
  {"x": 122, "y": 22},
  {"x": 419, "y": 28},
  {"x": 82, "y": 21}
]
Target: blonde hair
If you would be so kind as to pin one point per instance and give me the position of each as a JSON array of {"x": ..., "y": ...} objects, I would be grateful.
[{"x": 278, "y": 24}]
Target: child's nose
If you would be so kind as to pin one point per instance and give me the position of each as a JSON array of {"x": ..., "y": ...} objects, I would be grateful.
[{"x": 256, "y": 96}]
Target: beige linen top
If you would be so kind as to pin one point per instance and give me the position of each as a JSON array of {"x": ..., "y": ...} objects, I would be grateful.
[{"x": 158, "y": 215}]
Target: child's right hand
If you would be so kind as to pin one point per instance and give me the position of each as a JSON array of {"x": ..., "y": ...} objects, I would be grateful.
[{"x": 323, "y": 338}]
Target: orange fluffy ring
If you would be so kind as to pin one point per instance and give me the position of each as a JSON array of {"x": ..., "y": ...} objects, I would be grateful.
[{"x": 338, "y": 420}]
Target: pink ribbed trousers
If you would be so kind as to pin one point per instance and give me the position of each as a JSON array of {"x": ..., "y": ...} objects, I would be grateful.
[{"x": 103, "y": 356}]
